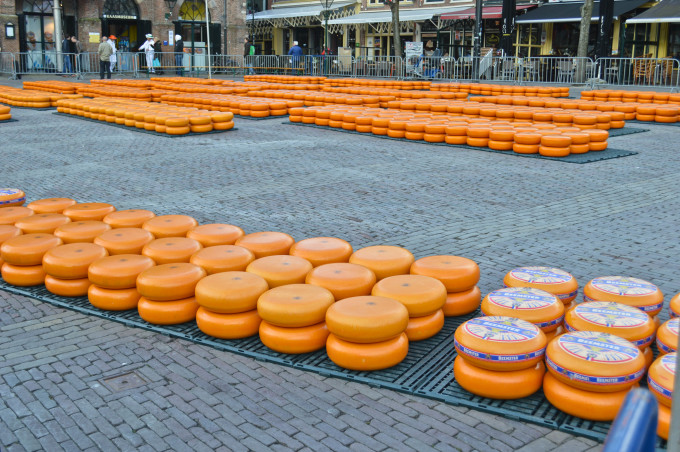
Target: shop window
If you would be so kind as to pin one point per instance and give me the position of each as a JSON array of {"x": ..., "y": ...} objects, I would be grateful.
[
  {"x": 120, "y": 9},
  {"x": 528, "y": 41},
  {"x": 37, "y": 6},
  {"x": 565, "y": 38},
  {"x": 192, "y": 10},
  {"x": 673, "y": 40},
  {"x": 638, "y": 41}
]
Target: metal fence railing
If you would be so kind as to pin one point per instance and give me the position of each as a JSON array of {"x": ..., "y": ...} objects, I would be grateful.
[
  {"x": 7, "y": 65},
  {"x": 660, "y": 72}
]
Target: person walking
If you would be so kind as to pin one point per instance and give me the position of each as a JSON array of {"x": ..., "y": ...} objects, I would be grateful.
[
  {"x": 147, "y": 47},
  {"x": 66, "y": 51},
  {"x": 179, "y": 55},
  {"x": 158, "y": 53},
  {"x": 296, "y": 53},
  {"x": 248, "y": 55},
  {"x": 104, "y": 52},
  {"x": 77, "y": 48},
  {"x": 114, "y": 57}
]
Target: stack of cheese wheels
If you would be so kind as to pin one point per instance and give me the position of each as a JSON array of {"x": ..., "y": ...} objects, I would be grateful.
[
  {"x": 228, "y": 304},
  {"x": 12, "y": 197},
  {"x": 133, "y": 218},
  {"x": 43, "y": 223},
  {"x": 7, "y": 231},
  {"x": 223, "y": 258},
  {"x": 499, "y": 357},
  {"x": 66, "y": 267},
  {"x": 622, "y": 289},
  {"x": 171, "y": 250},
  {"x": 294, "y": 318},
  {"x": 590, "y": 373},
  {"x": 536, "y": 306},
  {"x": 10, "y": 215},
  {"x": 552, "y": 280},
  {"x": 367, "y": 332},
  {"x": 114, "y": 281},
  {"x": 281, "y": 270},
  {"x": 661, "y": 379},
  {"x": 22, "y": 256},
  {"x": 168, "y": 293},
  {"x": 170, "y": 225},
  {"x": 51, "y": 205},
  {"x": 674, "y": 306},
  {"x": 268, "y": 243},
  {"x": 88, "y": 211},
  {"x": 423, "y": 297},
  {"x": 344, "y": 280},
  {"x": 459, "y": 275},
  {"x": 322, "y": 250},
  {"x": 216, "y": 234},
  {"x": 384, "y": 260},
  {"x": 614, "y": 318},
  {"x": 667, "y": 336},
  {"x": 124, "y": 240},
  {"x": 81, "y": 231}
]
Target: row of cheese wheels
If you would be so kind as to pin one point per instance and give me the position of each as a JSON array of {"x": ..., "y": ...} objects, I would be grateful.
[
  {"x": 316, "y": 98},
  {"x": 607, "y": 95},
  {"x": 5, "y": 114},
  {"x": 168, "y": 119},
  {"x": 201, "y": 89},
  {"x": 497, "y": 90},
  {"x": 288, "y": 79},
  {"x": 129, "y": 82},
  {"x": 392, "y": 84},
  {"x": 398, "y": 94},
  {"x": 53, "y": 86},
  {"x": 238, "y": 105},
  {"x": 18, "y": 97},
  {"x": 138, "y": 94}
]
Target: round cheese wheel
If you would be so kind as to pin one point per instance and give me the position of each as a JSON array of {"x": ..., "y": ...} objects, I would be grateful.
[
  {"x": 294, "y": 341},
  {"x": 230, "y": 292},
  {"x": 622, "y": 289},
  {"x": 537, "y": 306},
  {"x": 264, "y": 244},
  {"x": 119, "y": 271},
  {"x": 23, "y": 276},
  {"x": 7, "y": 231},
  {"x": 228, "y": 326},
  {"x": 223, "y": 258},
  {"x": 552, "y": 280},
  {"x": 171, "y": 249},
  {"x": 170, "y": 281},
  {"x": 661, "y": 378},
  {"x": 72, "y": 261},
  {"x": 422, "y": 295},
  {"x": 295, "y": 305},
  {"x": 664, "y": 425},
  {"x": 12, "y": 197},
  {"x": 133, "y": 218},
  {"x": 384, "y": 260},
  {"x": 44, "y": 223},
  {"x": 667, "y": 336},
  {"x": 461, "y": 303},
  {"x": 500, "y": 343},
  {"x": 594, "y": 406},
  {"x": 170, "y": 225},
  {"x": 367, "y": 319},
  {"x": 375, "y": 356},
  {"x": 615, "y": 318},
  {"x": 67, "y": 287},
  {"x": 674, "y": 306},
  {"x": 343, "y": 280},
  {"x": 9, "y": 215},
  {"x": 281, "y": 270},
  {"x": 124, "y": 240},
  {"x": 89, "y": 211},
  {"x": 496, "y": 384},
  {"x": 51, "y": 205},
  {"x": 167, "y": 312},
  {"x": 28, "y": 249},
  {"x": 216, "y": 234},
  {"x": 80, "y": 231},
  {"x": 593, "y": 361},
  {"x": 322, "y": 250},
  {"x": 113, "y": 300},
  {"x": 458, "y": 274},
  {"x": 424, "y": 327}
]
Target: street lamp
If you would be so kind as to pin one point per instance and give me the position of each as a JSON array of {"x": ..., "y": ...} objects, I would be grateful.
[
  {"x": 326, "y": 4},
  {"x": 171, "y": 6}
]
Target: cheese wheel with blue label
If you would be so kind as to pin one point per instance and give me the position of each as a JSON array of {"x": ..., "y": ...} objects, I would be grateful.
[
  {"x": 661, "y": 378},
  {"x": 594, "y": 361},
  {"x": 10, "y": 197},
  {"x": 537, "y": 306},
  {"x": 674, "y": 306},
  {"x": 552, "y": 280},
  {"x": 615, "y": 318},
  {"x": 500, "y": 343},
  {"x": 667, "y": 336},
  {"x": 622, "y": 289},
  {"x": 496, "y": 384}
]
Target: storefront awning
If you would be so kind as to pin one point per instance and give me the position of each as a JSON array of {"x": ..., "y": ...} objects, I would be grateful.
[
  {"x": 571, "y": 12},
  {"x": 405, "y": 15},
  {"x": 488, "y": 12},
  {"x": 666, "y": 11},
  {"x": 299, "y": 11}
]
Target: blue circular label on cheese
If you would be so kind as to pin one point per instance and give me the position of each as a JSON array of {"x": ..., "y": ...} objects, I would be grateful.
[
  {"x": 668, "y": 364},
  {"x": 501, "y": 329},
  {"x": 521, "y": 298},
  {"x": 623, "y": 285},
  {"x": 543, "y": 275},
  {"x": 598, "y": 347},
  {"x": 611, "y": 314},
  {"x": 9, "y": 191}
]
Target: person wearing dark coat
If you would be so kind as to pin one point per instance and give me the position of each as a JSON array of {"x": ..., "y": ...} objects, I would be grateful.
[
  {"x": 179, "y": 54},
  {"x": 66, "y": 51}
]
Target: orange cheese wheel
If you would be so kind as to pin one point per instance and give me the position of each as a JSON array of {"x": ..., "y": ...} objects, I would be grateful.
[
  {"x": 167, "y": 312},
  {"x": 664, "y": 425},
  {"x": 495, "y": 384},
  {"x": 622, "y": 289},
  {"x": 118, "y": 272},
  {"x": 268, "y": 243},
  {"x": 10, "y": 197},
  {"x": 295, "y": 305},
  {"x": 170, "y": 281},
  {"x": 424, "y": 327},
  {"x": 228, "y": 326},
  {"x": 216, "y": 234},
  {"x": 374, "y": 356},
  {"x": 80, "y": 231},
  {"x": 67, "y": 287},
  {"x": 667, "y": 336},
  {"x": 322, "y": 250},
  {"x": 71, "y": 261},
  {"x": 51, "y": 205},
  {"x": 457, "y": 273},
  {"x": 552, "y": 280},
  {"x": 171, "y": 250},
  {"x": 88, "y": 211},
  {"x": 23, "y": 276},
  {"x": 44, "y": 223},
  {"x": 124, "y": 240},
  {"x": 422, "y": 295},
  {"x": 281, "y": 270},
  {"x": 28, "y": 249},
  {"x": 170, "y": 225},
  {"x": 500, "y": 343},
  {"x": 539, "y": 307},
  {"x": 594, "y": 406},
  {"x": 133, "y": 218},
  {"x": 113, "y": 299},
  {"x": 367, "y": 319},
  {"x": 614, "y": 318},
  {"x": 674, "y": 306},
  {"x": 593, "y": 361},
  {"x": 223, "y": 258},
  {"x": 7, "y": 231},
  {"x": 230, "y": 292},
  {"x": 295, "y": 341},
  {"x": 384, "y": 260},
  {"x": 661, "y": 378},
  {"x": 343, "y": 280}
]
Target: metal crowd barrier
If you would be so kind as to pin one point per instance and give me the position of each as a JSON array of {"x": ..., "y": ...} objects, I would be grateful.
[
  {"x": 379, "y": 67},
  {"x": 45, "y": 62},
  {"x": 7, "y": 65},
  {"x": 659, "y": 72}
]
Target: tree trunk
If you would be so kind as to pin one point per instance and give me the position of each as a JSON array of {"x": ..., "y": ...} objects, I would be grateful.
[
  {"x": 582, "y": 52},
  {"x": 396, "y": 29}
]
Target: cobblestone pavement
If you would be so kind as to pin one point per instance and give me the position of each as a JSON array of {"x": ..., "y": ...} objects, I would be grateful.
[{"x": 611, "y": 217}]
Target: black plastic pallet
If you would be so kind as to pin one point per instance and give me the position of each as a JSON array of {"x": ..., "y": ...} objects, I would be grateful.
[{"x": 9, "y": 120}]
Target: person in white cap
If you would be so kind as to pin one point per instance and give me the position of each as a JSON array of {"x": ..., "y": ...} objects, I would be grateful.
[
  {"x": 147, "y": 47},
  {"x": 179, "y": 54}
]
